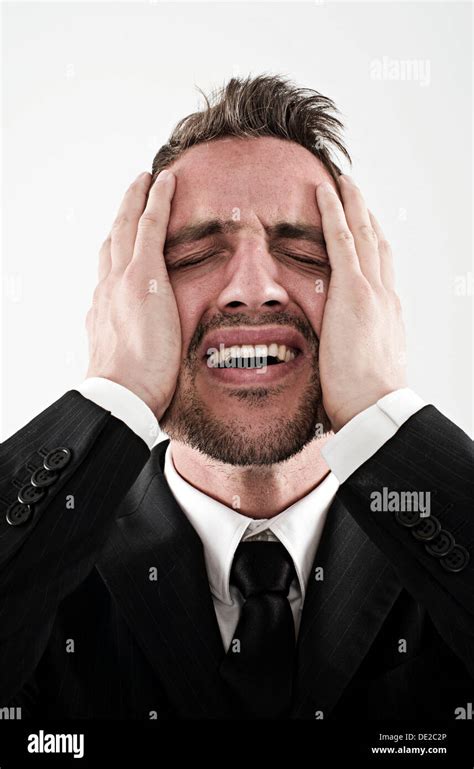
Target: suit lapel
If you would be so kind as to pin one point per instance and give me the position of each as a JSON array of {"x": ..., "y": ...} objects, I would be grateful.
[
  {"x": 342, "y": 614},
  {"x": 172, "y": 616}
]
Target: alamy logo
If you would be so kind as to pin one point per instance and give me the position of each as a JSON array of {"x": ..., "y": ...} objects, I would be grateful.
[
  {"x": 56, "y": 743},
  {"x": 463, "y": 714},
  {"x": 416, "y": 70},
  {"x": 400, "y": 501},
  {"x": 10, "y": 714}
]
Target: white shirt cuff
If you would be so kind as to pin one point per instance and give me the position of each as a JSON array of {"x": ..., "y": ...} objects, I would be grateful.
[
  {"x": 367, "y": 432},
  {"x": 123, "y": 404}
]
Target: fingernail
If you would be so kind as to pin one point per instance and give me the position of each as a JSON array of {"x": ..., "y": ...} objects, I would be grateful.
[
  {"x": 163, "y": 175},
  {"x": 142, "y": 175},
  {"x": 346, "y": 178},
  {"x": 327, "y": 187}
]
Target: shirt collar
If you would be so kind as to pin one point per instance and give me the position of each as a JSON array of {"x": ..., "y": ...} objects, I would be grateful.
[{"x": 221, "y": 528}]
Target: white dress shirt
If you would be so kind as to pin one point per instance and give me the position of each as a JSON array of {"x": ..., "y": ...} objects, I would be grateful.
[
  {"x": 221, "y": 529},
  {"x": 299, "y": 527}
]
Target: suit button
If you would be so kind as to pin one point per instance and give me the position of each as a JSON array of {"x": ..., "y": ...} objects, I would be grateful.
[
  {"x": 441, "y": 545},
  {"x": 30, "y": 494},
  {"x": 18, "y": 514},
  {"x": 57, "y": 459},
  {"x": 408, "y": 518},
  {"x": 427, "y": 529},
  {"x": 456, "y": 560},
  {"x": 43, "y": 478}
]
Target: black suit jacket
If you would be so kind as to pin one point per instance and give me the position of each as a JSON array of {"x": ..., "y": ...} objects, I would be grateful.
[{"x": 106, "y": 610}]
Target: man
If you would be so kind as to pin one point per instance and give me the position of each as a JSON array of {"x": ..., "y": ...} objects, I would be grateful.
[{"x": 301, "y": 547}]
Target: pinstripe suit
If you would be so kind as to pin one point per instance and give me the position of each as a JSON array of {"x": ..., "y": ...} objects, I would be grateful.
[{"x": 106, "y": 610}]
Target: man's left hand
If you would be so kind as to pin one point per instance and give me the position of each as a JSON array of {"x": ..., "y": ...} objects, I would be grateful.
[{"x": 362, "y": 342}]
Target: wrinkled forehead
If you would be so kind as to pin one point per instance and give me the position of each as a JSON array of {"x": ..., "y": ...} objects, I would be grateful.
[{"x": 263, "y": 178}]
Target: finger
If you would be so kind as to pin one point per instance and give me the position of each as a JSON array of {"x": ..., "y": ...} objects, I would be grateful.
[
  {"x": 365, "y": 236},
  {"x": 339, "y": 240},
  {"x": 153, "y": 224},
  {"x": 387, "y": 272},
  {"x": 124, "y": 228},
  {"x": 105, "y": 259}
]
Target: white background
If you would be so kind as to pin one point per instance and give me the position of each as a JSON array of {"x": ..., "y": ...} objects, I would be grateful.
[{"x": 92, "y": 90}]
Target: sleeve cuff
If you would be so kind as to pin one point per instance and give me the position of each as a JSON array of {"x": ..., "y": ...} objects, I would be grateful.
[
  {"x": 123, "y": 404},
  {"x": 367, "y": 432}
]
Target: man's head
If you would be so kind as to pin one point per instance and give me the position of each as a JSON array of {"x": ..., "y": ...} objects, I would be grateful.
[{"x": 248, "y": 265}]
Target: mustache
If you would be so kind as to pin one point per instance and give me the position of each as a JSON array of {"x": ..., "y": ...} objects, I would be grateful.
[{"x": 241, "y": 319}]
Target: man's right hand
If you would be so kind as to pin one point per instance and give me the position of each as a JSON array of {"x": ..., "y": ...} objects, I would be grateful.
[{"x": 133, "y": 324}]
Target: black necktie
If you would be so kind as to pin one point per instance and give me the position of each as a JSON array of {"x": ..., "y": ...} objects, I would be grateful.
[{"x": 258, "y": 667}]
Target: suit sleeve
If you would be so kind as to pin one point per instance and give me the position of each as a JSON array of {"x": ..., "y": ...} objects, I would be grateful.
[
  {"x": 432, "y": 554},
  {"x": 63, "y": 477}
]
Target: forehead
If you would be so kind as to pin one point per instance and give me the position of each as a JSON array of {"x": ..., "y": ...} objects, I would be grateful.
[{"x": 264, "y": 177}]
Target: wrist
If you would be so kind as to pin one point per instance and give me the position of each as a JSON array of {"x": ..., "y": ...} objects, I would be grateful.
[
  {"x": 343, "y": 414},
  {"x": 150, "y": 400}
]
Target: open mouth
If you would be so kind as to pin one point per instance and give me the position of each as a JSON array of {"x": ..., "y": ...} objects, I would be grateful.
[{"x": 251, "y": 356}]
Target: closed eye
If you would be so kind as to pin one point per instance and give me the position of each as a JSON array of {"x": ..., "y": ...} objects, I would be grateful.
[
  {"x": 195, "y": 261},
  {"x": 311, "y": 261}
]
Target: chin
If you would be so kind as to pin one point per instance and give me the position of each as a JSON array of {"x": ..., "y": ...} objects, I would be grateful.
[
  {"x": 238, "y": 441},
  {"x": 248, "y": 425}
]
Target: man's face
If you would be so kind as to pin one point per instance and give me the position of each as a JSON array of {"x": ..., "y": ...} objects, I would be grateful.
[{"x": 248, "y": 278}]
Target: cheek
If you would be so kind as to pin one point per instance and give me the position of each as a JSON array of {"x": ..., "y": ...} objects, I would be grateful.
[
  {"x": 310, "y": 295},
  {"x": 193, "y": 299}
]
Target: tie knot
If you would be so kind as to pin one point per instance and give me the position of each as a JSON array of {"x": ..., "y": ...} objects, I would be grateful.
[{"x": 262, "y": 567}]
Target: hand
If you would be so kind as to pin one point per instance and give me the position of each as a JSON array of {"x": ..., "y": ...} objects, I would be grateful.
[
  {"x": 133, "y": 325},
  {"x": 362, "y": 342}
]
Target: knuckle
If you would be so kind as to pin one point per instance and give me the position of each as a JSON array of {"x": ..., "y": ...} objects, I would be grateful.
[
  {"x": 364, "y": 306},
  {"x": 395, "y": 300},
  {"x": 134, "y": 282},
  {"x": 384, "y": 245},
  {"x": 122, "y": 220},
  {"x": 130, "y": 277},
  {"x": 148, "y": 220},
  {"x": 363, "y": 291},
  {"x": 103, "y": 290},
  {"x": 367, "y": 233},
  {"x": 344, "y": 237}
]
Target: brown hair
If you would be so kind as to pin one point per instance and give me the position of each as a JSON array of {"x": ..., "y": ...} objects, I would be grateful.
[{"x": 266, "y": 105}]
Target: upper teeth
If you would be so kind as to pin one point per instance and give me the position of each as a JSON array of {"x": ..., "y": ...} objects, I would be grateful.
[{"x": 261, "y": 351}]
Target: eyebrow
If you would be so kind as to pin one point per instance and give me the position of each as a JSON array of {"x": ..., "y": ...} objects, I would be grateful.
[
  {"x": 192, "y": 233},
  {"x": 298, "y": 231}
]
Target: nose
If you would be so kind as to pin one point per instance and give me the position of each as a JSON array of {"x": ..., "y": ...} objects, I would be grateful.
[{"x": 252, "y": 281}]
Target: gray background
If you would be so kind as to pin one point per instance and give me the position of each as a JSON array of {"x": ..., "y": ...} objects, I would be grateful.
[{"x": 91, "y": 90}]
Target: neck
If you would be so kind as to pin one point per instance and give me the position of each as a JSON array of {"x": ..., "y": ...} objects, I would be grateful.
[{"x": 255, "y": 491}]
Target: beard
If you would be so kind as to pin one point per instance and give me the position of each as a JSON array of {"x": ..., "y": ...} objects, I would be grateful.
[{"x": 233, "y": 441}]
